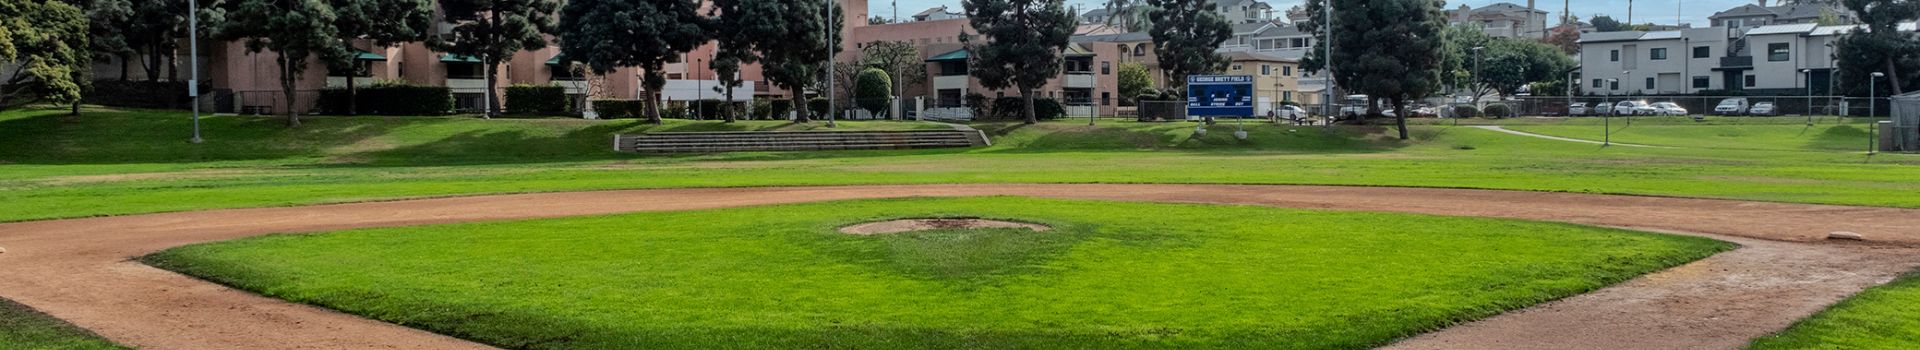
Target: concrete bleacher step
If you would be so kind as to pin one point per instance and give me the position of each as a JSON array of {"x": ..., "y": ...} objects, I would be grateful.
[{"x": 746, "y": 141}]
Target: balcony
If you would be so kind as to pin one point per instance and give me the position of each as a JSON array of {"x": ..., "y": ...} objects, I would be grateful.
[
  {"x": 1079, "y": 80},
  {"x": 1736, "y": 62},
  {"x": 459, "y": 85},
  {"x": 951, "y": 82}
]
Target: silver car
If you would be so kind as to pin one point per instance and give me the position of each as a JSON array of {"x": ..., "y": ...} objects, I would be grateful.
[
  {"x": 1763, "y": 108},
  {"x": 1578, "y": 109}
]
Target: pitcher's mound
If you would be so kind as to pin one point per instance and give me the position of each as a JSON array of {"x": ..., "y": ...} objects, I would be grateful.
[{"x": 911, "y": 225}]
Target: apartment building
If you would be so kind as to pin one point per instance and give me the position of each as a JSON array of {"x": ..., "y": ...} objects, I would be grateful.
[
  {"x": 1503, "y": 20},
  {"x": 1276, "y": 79},
  {"x": 1784, "y": 59},
  {"x": 1235, "y": 11},
  {"x": 1752, "y": 15}
]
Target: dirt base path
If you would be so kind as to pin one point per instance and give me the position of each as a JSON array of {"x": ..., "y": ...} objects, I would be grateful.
[{"x": 79, "y": 270}]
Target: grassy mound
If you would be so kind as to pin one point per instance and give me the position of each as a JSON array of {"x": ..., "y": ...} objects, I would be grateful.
[
  {"x": 1112, "y": 275},
  {"x": 23, "y": 328},
  {"x": 1885, "y": 317}
]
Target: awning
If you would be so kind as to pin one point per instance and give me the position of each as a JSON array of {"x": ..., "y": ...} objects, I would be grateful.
[
  {"x": 459, "y": 59},
  {"x": 956, "y": 55},
  {"x": 363, "y": 55},
  {"x": 1075, "y": 50},
  {"x": 558, "y": 60}
]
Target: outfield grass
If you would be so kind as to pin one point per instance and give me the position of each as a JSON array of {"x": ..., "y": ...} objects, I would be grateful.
[
  {"x": 1885, "y": 317},
  {"x": 21, "y": 328},
  {"x": 128, "y": 162},
  {"x": 1827, "y": 134},
  {"x": 1113, "y": 275}
]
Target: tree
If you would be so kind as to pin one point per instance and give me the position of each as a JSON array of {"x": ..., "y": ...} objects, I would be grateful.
[
  {"x": 1135, "y": 80},
  {"x": 1457, "y": 63},
  {"x": 1509, "y": 64},
  {"x": 608, "y": 34},
  {"x": 1566, "y": 38},
  {"x": 385, "y": 23},
  {"x": 492, "y": 31},
  {"x": 296, "y": 30},
  {"x": 874, "y": 92},
  {"x": 901, "y": 60},
  {"x": 1880, "y": 46},
  {"x": 1390, "y": 50},
  {"x": 733, "y": 47},
  {"x": 794, "y": 43},
  {"x": 106, "y": 20},
  {"x": 1128, "y": 14},
  {"x": 1024, "y": 40},
  {"x": 45, "y": 45},
  {"x": 1604, "y": 23},
  {"x": 1185, "y": 34},
  {"x": 877, "y": 20}
]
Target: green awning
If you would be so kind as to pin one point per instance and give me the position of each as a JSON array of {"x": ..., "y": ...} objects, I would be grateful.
[
  {"x": 558, "y": 60},
  {"x": 459, "y": 59},
  {"x": 956, "y": 55},
  {"x": 1075, "y": 50},
  {"x": 368, "y": 56}
]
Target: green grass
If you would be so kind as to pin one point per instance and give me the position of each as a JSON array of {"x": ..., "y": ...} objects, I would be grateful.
[
  {"x": 1113, "y": 275},
  {"x": 22, "y": 328},
  {"x": 1768, "y": 133},
  {"x": 1885, "y": 317},
  {"x": 128, "y": 162}
]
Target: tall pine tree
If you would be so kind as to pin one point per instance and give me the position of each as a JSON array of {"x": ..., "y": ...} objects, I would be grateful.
[
  {"x": 1025, "y": 39},
  {"x": 383, "y": 22},
  {"x": 608, "y": 34},
  {"x": 295, "y": 30},
  {"x": 493, "y": 30},
  {"x": 1391, "y": 50}
]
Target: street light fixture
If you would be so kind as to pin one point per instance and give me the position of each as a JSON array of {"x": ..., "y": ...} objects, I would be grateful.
[{"x": 1873, "y": 113}]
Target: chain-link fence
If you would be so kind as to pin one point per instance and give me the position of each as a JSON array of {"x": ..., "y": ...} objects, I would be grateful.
[
  {"x": 1905, "y": 133},
  {"x": 1692, "y": 105}
]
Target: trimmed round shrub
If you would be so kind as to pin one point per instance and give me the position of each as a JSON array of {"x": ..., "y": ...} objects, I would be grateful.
[
  {"x": 1499, "y": 110},
  {"x": 1466, "y": 111},
  {"x": 874, "y": 91}
]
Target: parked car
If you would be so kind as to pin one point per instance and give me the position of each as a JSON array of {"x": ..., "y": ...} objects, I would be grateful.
[
  {"x": 1633, "y": 108},
  {"x": 1578, "y": 109},
  {"x": 1731, "y": 106},
  {"x": 1602, "y": 109},
  {"x": 1763, "y": 108},
  {"x": 1290, "y": 113},
  {"x": 1668, "y": 108}
]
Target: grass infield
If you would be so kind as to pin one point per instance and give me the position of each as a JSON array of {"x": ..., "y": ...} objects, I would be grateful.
[
  {"x": 1112, "y": 275},
  {"x": 1885, "y": 317},
  {"x": 23, "y": 328}
]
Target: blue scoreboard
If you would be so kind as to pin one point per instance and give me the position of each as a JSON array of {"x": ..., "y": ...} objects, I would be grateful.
[{"x": 1220, "y": 96}]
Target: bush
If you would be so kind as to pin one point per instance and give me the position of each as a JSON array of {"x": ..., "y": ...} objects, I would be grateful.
[
  {"x": 711, "y": 109},
  {"x": 1014, "y": 108},
  {"x": 874, "y": 92},
  {"x": 144, "y": 94},
  {"x": 619, "y": 109},
  {"x": 674, "y": 112},
  {"x": 1466, "y": 111},
  {"x": 778, "y": 109},
  {"x": 537, "y": 99},
  {"x": 390, "y": 98},
  {"x": 979, "y": 105},
  {"x": 1499, "y": 110},
  {"x": 818, "y": 107}
]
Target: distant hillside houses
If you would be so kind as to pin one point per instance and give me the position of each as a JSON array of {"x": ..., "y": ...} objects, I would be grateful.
[
  {"x": 1235, "y": 11},
  {"x": 1751, "y": 15},
  {"x": 1772, "y": 59}
]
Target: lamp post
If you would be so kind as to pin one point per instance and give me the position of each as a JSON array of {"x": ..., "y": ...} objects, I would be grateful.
[
  {"x": 1473, "y": 86},
  {"x": 830, "y": 46},
  {"x": 1808, "y": 76},
  {"x": 1873, "y": 113},
  {"x": 193, "y": 52},
  {"x": 1611, "y": 109},
  {"x": 1327, "y": 41}
]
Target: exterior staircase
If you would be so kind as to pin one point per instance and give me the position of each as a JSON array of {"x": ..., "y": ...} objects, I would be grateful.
[{"x": 749, "y": 141}]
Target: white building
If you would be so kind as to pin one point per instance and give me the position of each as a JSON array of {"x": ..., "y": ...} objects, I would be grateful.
[{"x": 1785, "y": 59}]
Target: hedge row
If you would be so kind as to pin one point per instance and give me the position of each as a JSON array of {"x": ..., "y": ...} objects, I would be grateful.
[
  {"x": 141, "y": 94},
  {"x": 388, "y": 98},
  {"x": 620, "y": 109},
  {"x": 537, "y": 100}
]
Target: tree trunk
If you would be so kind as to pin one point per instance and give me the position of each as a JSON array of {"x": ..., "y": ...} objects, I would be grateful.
[
  {"x": 173, "y": 66},
  {"x": 353, "y": 93},
  {"x": 1893, "y": 77},
  {"x": 76, "y": 109},
  {"x": 286, "y": 88},
  {"x": 126, "y": 66},
  {"x": 493, "y": 99},
  {"x": 728, "y": 112},
  {"x": 800, "y": 107},
  {"x": 1026, "y": 94},
  {"x": 152, "y": 64},
  {"x": 1400, "y": 116},
  {"x": 653, "y": 106}
]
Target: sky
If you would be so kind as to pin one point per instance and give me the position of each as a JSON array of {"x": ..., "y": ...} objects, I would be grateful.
[{"x": 1656, "y": 11}]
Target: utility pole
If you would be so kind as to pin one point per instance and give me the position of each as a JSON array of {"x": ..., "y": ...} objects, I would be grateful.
[{"x": 193, "y": 60}]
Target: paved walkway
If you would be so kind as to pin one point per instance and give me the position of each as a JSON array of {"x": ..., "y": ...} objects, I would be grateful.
[
  {"x": 1557, "y": 138},
  {"x": 79, "y": 270}
]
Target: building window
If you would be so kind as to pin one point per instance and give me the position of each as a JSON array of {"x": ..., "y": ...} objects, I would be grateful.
[
  {"x": 1236, "y": 67},
  {"x": 1701, "y": 82},
  {"x": 1286, "y": 71},
  {"x": 1614, "y": 56},
  {"x": 1597, "y": 83},
  {"x": 1613, "y": 85},
  {"x": 1702, "y": 52},
  {"x": 1777, "y": 52},
  {"x": 1286, "y": 96},
  {"x": 1141, "y": 51},
  {"x": 1659, "y": 54},
  {"x": 1266, "y": 70},
  {"x": 1106, "y": 67},
  {"x": 1752, "y": 81},
  {"x": 1650, "y": 86},
  {"x": 1106, "y": 98}
]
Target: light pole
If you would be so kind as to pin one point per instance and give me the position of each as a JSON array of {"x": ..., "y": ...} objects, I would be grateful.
[
  {"x": 1327, "y": 41},
  {"x": 1873, "y": 113},
  {"x": 830, "y": 46},
  {"x": 1611, "y": 109},
  {"x": 1808, "y": 76},
  {"x": 193, "y": 53}
]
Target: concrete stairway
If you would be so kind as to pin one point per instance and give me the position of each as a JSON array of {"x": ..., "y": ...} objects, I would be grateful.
[{"x": 745, "y": 141}]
